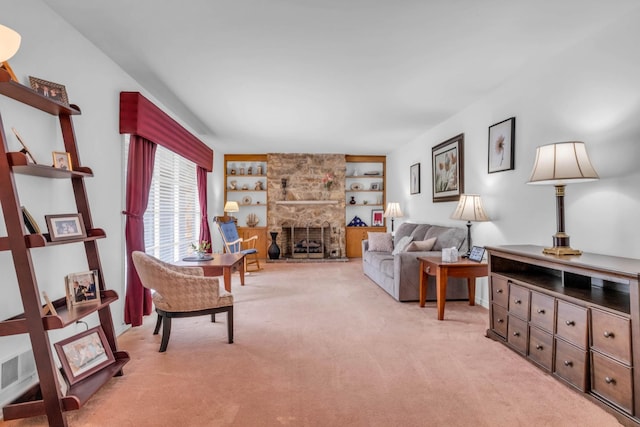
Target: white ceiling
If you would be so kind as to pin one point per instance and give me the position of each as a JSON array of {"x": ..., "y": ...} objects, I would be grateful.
[{"x": 356, "y": 76}]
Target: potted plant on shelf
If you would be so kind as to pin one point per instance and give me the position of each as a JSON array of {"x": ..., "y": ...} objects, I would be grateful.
[{"x": 201, "y": 249}]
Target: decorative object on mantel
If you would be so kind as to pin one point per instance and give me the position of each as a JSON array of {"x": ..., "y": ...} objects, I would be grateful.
[
  {"x": 470, "y": 209},
  {"x": 327, "y": 180},
  {"x": 558, "y": 164},
  {"x": 230, "y": 207},
  {"x": 393, "y": 211},
  {"x": 283, "y": 185},
  {"x": 252, "y": 220},
  {"x": 274, "y": 249}
]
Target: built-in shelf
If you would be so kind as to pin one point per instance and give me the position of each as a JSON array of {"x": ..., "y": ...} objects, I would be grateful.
[{"x": 307, "y": 202}]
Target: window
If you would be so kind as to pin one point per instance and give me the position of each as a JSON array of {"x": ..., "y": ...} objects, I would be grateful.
[{"x": 172, "y": 218}]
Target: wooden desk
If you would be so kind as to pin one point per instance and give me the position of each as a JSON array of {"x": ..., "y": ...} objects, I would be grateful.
[
  {"x": 220, "y": 265},
  {"x": 434, "y": 266}
]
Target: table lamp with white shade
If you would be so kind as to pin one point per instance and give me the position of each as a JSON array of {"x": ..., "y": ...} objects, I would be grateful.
[
  {"x": 470, "y": 209},
  {"x": 393, "y": 211},
  {"x": 230, "y": 207}
]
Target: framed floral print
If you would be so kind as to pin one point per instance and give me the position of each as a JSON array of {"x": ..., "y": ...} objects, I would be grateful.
[
  {"x": 502, "y": 138},
  {"x": 448, "y": 169}
]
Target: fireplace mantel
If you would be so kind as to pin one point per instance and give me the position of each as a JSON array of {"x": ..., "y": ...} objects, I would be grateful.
[{"x": 307, "y": 202}]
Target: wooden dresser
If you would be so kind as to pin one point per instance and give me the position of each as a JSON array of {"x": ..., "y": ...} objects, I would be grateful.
[{"x": 575, "y": 317}]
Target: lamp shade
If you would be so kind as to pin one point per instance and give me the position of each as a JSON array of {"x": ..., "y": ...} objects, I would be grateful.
[
  {"x": 561, "y": 163},
  {"x": 470, "y": 209},
  {"x": 393, "y": 210},
  {"x": 231, "y": 207},
  {"x": 9, "y": 43}
]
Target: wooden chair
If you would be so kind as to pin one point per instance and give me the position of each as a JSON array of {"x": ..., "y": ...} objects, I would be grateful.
[
  {"x": 182, "y": 292},
  {"x": 233, "y": 243}
]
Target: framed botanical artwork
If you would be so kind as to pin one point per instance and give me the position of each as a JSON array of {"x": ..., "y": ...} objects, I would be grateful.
[
  {"x": 82, "y": 288},
  {"x": 502, "y": 139},
  {"x": 51, "y": 90},
  {"x": 65, "y": 226},
  {"x": 84, "y": 354},
  {"x": 448, "y": 169},
  {"x": 61, "y": 160},
  {"x": 377, "y": 218},
  {"x": 414, "y": 178}
]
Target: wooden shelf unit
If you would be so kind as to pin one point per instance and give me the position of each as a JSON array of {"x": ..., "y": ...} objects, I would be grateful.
[
  {"x": 576, "y": 317},
  {"x": 46, "y": 398}
]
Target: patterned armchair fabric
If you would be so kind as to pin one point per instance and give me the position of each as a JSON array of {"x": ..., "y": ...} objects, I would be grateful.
[{"x": 181, "y": 292}]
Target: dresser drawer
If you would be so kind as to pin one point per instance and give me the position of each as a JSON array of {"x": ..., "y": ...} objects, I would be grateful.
[
  {"x": 517, "y": 334},
  {"x": 611, "y": 335},
  {"x": 499, "y": 320},
  {"x": 499, "y": 290},
  {"x": 519, "y": 301},
  {"x": 541, "y": 347},
  {"x": 571, "y": 364},
  {"x": 571, "y": 323},
  {"x": 612, "y": 381},
  {"x": 543, "y": 311}
]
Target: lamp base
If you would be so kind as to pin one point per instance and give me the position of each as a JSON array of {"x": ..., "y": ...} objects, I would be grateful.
[{"x": 561, "y": 250}]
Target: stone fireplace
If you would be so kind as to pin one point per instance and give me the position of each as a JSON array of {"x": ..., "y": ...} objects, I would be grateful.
[{"x": 309, "y": 218}]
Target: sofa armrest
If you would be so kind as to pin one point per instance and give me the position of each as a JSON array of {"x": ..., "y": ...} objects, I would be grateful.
[{"x": 365, "y": 246}]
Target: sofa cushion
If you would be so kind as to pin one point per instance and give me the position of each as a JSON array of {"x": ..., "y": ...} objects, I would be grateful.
[
  {"x": 380, "y": 242},
  {"x": 420, "y": 232},
  {"x": 401, "y": 246},
  {"x": 421, "y": 245},
  {"x": 405, "y": 229},
  {"x": 447, "y": 237}
]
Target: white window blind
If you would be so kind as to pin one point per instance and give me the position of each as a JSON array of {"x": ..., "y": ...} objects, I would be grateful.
[{"x": 172, "y": 218}]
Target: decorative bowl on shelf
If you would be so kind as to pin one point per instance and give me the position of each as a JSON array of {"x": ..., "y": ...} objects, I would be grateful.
[
  {"x": 246, "y": 200},
  {"x": 356, "y": 186}
]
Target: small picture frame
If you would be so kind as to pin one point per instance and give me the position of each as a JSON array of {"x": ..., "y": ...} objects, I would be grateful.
[
  {"x": 502, "y": 139},
  {"x": 65, "y": 227},
  {"x": 61, "y": 160},
  {"x": 476, "y": 254},
  {"x": 377, "y": 218},
  {"x": 414, "y": 179},
  {"x": 29, "y": 222},
  {"x": 84, "y": 354},
  {"x": 25, "y": 150},
  {"x": 48, "y": 89},
  {"x": 376, "y": 186},
  {"x": 82, "y": 288}
]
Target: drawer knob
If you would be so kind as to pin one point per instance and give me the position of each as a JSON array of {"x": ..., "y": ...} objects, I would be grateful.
[
  {"x": 499, "y": 291},
  {"x": 541, "y": 311},
  {"x": 517, "y": 301},
  {"x": 570, "y": 323},
  {"x": 608, "y": 334},
  {"x": 539, "y": 347},
  {"x": 609, "y": 380},
  {"x": 516, "y": 334},
  {"x": 500, "y": 320},
  {"x": 568, "y": 363},
  {"x": 429, "y": 269}
]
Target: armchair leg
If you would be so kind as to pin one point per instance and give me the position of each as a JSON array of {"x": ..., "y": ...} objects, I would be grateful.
[
  {"x": 213, "y": 317},
  {"x": 230, "y": 325},
  {"x": 166, "y": 332},
  {"x": 158, "y": 323}
]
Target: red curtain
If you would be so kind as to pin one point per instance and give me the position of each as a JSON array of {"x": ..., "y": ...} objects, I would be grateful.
[
  {"x": 142, "y": 154},
  {"x": 205, "y": 233}
]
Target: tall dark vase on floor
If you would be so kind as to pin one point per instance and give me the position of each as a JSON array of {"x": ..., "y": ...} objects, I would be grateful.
[{"x": 274, "y": 249}]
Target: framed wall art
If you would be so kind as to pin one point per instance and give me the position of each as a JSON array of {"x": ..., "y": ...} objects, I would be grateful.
[
  {"x": 502, "y": 138},
  {"x": 414, "y": 179},
  {"x": 84, "y": 354},
  {"x": 448, "y": 169},
  {"x": 65, "y": 226},
  {"x": 51, "y": 90}
]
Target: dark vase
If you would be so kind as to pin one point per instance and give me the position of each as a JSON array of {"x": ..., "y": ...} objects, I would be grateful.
[
  {"x": 274, "y": 249},
  {"x": 353, "y": 200}
]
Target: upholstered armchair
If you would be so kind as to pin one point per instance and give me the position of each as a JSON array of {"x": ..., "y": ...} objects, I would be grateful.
[{"x": 182, "y": 292}]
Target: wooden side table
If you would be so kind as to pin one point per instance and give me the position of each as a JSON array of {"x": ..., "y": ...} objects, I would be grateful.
[
  {"x": 434, "y": 266},
  {"x": 220, "y": 265}
]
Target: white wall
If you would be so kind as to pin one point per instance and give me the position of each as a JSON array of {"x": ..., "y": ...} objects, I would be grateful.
[{"x": 590, "y": 93}]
